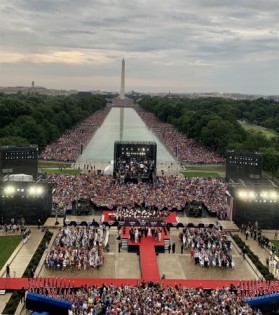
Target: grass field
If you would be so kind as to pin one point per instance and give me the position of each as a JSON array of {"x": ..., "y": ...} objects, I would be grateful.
[
  {"x": 7, "y": 245},
  {"x": 49, "y": 164},
  {"x": 276, "y": 244},
  {"x": 201, "y": 174},
  {"x": 206, "y": 168},
  {"x": 66, "y": 171},
  {"x": 268, "y": 133}
]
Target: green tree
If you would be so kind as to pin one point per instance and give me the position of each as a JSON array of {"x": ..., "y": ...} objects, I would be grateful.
[
  {"x": 271, "y": 161},
  {"x": 217, "y": 134}
]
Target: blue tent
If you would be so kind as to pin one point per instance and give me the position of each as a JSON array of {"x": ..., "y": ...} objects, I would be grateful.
[{"x": 266, "y": 303}]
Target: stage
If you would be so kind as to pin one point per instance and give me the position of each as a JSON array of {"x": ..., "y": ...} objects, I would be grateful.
[{"x": 109, "y": 216}]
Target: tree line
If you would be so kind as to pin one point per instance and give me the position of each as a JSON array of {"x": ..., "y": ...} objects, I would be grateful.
[
  {"x": 214, "y": 122},
  {"x": 41, "y": 119}
]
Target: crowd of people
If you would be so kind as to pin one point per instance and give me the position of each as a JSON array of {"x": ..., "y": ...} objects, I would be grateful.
[
  {"x": 77, "y": 248},
  {"x": 210, "y": 247},
  {"x": 167, "y": 193},
  {"x": 68, "y": 147},
  {"x": 252, "y": 230},
  {"x": 186, "y": 150},
  {"x": 150, "y": 298},
  {"x": 136, "y": 233},
  {"x": 134, "y": 212},
  {"x": 134, "y": 167}
]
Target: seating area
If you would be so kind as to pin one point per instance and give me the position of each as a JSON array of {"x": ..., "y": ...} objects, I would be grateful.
[
  {"x": 78, "y": 247},
  {"x": 209, "y": 247}
]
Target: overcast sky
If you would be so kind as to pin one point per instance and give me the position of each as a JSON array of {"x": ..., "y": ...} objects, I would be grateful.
[{"x": 168, "y": 45}]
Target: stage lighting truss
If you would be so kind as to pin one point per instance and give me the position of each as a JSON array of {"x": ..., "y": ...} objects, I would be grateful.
[
  {"x": 9, "y": 191},
  {"x": 31, "y": 191},
  {"x": 35, "y": 191},
  {"x": 264, "y": 196}
]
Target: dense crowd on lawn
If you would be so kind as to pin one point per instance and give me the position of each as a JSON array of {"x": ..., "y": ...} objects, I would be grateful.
[
  {"x": 210, "y": 247},
  {"x": 187, "y": 150},
  {"x": 68, "y": 147},
  {"x": 77, "y": 248},
  {"x": 167, "y": 193},
  {"x": 150, "y": 298}
]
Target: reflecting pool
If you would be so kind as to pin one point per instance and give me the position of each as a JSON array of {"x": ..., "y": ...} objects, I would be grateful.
[{"x": 126, "y": 125}]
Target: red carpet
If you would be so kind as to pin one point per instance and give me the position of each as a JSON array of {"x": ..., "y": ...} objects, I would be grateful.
[
  {"x": 172, "y": 218},
  {"x": 148, "y": 259},
  {"x": 18, "y": 283}
]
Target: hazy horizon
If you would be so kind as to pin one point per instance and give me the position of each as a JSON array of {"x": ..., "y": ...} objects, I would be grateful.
[{"x": 194, "y": 46}]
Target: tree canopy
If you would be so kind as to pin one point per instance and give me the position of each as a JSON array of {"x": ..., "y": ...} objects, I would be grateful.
[
  {"x": 215, "y": 122},
  {"x": 40, "y": 119}
]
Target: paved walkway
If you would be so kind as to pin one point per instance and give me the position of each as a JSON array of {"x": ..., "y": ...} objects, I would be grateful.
[
  {"x": 19, "y": 261},
  {"x": 261, "y": 252}
]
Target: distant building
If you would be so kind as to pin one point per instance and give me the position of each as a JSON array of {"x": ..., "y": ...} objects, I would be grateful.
[{"x": 35, "y": 90}]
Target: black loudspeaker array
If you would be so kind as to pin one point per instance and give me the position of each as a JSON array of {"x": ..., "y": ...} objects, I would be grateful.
[
  {"x": 243, "y": 165},
  {"x": 19, "y": 160}
]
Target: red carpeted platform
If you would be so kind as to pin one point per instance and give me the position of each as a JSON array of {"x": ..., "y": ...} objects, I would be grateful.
[
  {"x": 108, "y": 215},
  {"x": 147, "y": 251}
]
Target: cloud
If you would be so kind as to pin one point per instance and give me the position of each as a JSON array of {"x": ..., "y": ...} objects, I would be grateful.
[
  {"x": 68, "y": 57},
  {"x": 175, "y": 38}
]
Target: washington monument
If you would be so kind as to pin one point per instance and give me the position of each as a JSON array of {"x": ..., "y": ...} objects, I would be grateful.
[{"x": 122, "y": 89}]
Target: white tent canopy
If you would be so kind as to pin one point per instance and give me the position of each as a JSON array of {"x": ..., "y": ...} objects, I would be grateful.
[
  {"x": 18, "y": 178},
  {"x": 109, "y": 169}
]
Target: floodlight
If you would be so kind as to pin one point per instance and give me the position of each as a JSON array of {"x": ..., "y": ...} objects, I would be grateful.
[
  {"x": 35, "y": 190},
  {"x": 40, "y": 190},
  {"x": 242, "y": 194},
  {"x": 274, "y": 195},
  {"x": 9, "y": 190},
  {"x": 264, "y": 194},
  {"x": 252, "y": 195},
  {"x": 31, "y": 190}
]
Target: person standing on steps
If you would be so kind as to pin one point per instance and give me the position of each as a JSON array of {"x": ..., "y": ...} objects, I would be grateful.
[
  {"x": 244, "y": 251},
  {"x": 8, "y": 271},
  {"x": 173, "y": 247}
]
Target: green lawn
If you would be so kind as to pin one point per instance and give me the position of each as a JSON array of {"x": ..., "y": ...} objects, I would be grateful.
[
  {"x": 49, "y": 164},
  {"x": 7, "y": 245},
  {"x": 206, "y": 168},
  {"x": 268, "y": 133},
  {"x": 63, "y": 171},
  {"x": 276, "y": 244},
  {"x": 201, "y": 174}
]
